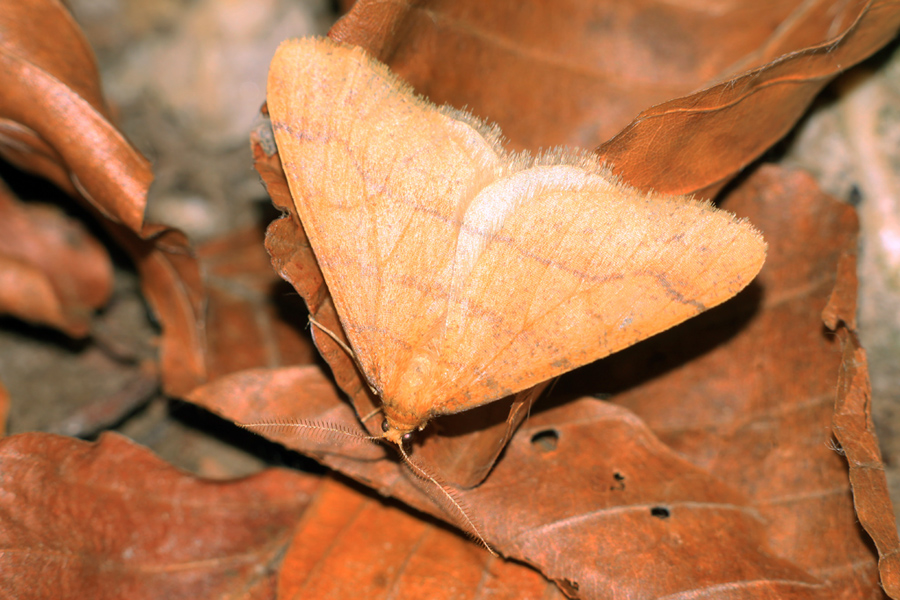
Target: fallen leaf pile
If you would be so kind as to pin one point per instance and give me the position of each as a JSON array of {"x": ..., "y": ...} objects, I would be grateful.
[{"x": 733, "y": 456}]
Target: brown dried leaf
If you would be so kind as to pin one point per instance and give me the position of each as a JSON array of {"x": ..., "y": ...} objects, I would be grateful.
[
  {"x": 53, "y": 119},
  {"x": 855, "y": 432},
  {"x": 4, "y": 409},
  {"x": 283, "y": 396},
  {"x": 54, "y": 122},
  {"x": 54, "y": 273},
  {"x": 172, "y": 285},
  {"x": 592, "y": 512},
  {"x": 743, "y": 492},
  {"x": 771, "y": 438},
  {"x": 696, "y": 144},
  {"x": 110, "y": 520},
  {"x": 578, "y": 74},
  {"x": 253, "y": 317},
  {"x": 350, "y": 546}
]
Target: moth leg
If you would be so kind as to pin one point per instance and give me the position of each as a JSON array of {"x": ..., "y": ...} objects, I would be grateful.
[
  {"x": 371, "y": 414},
  {"x": 333, "y": 336},
  {"x": 349, "y": 352}
]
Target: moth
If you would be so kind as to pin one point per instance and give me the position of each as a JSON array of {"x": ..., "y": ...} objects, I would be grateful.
[{"x": 463, "y": 273}]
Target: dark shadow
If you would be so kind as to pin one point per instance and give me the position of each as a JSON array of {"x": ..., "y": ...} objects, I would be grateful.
[
  {"x": 43, "y": 335},
  {"x": 660, "y": 354},
  {"x": 31, "y": 188},
  {"x": 472, "y": 420}
]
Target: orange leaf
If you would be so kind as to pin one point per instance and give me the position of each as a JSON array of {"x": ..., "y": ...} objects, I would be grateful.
[
  {"x": 855, "y": 432},
  {"x": 53, "y": 118},
  {"x": 668, "y": 147},
  {"x": 4, "y": 409},
  {"x": 578, "y": 73},
  {"x": 54, "y": 273},
  {"x": 110, "y": 520},
  {"x": 350, "y": 546},
  {"x": 716, "y": 463},
  {"x": 253, "y": 317}
]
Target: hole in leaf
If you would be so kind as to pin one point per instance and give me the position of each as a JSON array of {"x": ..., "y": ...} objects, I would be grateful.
[
  {"x": 546, "y": 440},
  {"x": 660, "y": 512},
  {"x": 854, "y": 197},
  {"x": 619, "y": 483}
]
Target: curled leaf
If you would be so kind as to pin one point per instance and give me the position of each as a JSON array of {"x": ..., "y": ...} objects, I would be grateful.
[
  {"x": 54, "y": 272},
  {"x": 55, "y": 122}
]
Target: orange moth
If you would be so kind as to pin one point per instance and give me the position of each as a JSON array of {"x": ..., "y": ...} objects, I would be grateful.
[{"x": 463, "y": 273}]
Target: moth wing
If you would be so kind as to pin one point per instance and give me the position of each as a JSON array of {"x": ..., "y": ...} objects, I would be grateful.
[
  {"x": 380, "y": 179},
  {"x": 558, "y": 266}
]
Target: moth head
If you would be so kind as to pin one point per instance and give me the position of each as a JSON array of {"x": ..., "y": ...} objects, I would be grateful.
[{"x": 397, "y": 433}]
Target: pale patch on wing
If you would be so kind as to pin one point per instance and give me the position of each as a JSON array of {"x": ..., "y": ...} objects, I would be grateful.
[{"x": 578, "y": 268}]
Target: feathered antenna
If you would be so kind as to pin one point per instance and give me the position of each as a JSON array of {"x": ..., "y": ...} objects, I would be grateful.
[
  {"x": 448, "y": 498},
  {"x": 322, "y": 429}
]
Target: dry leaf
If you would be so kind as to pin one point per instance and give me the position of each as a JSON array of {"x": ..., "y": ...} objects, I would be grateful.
[
  {"x": 173, "y": 287},
  {"x": 54, "y": 122},
  {"x": 745, "y": 483},
  {"x": 54, "y": 273},
  {"x": 110, "y": 520},
  {"x": 597, "y": 512},
  {"x": 53, "y": 118},
  {"x": 4, "y": 409},
  {"x": 855, "y": 432},
  {"x": 252, "y": 316},
  {"x": 724, "y": 83},
  {"x": 769, "y": 432},
  {"x": 765, "y": 103},
  {"x": 351, "y": 546}
]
